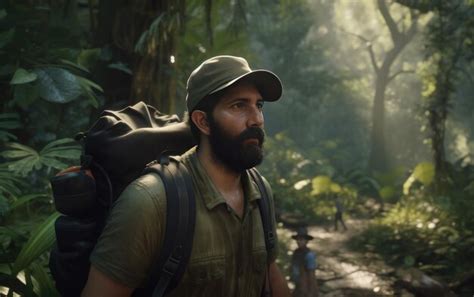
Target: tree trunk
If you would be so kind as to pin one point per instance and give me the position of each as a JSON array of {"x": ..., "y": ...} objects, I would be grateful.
[
  {"x": 438, "y": 113},
  {"x": 153, "y": 79},
  {"x": 377, "y": 158},
  {"x": 121, "y": 24},
  {"x": 445, "y": 76},
  {"x": 378, "y": 154}
]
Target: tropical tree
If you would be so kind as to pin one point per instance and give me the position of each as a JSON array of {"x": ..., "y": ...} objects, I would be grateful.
[
  {"x": 401, "y": 33},
  {"x": 450, "y": 53}
]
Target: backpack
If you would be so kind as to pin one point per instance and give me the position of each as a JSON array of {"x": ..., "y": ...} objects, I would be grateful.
[{"x": 85, "y": 194}]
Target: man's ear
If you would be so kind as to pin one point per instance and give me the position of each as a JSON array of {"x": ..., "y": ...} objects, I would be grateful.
[{"x": 199, "y": 119}]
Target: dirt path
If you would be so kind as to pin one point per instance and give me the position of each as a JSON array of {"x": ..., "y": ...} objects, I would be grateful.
[{"x": 342, "y": 272}]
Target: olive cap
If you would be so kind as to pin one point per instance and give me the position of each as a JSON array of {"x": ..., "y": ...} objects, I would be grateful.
[{"x": 220, "y": 72}]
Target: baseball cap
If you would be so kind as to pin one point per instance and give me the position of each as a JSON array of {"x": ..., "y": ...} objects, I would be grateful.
[{"x": 220, "y": 72}]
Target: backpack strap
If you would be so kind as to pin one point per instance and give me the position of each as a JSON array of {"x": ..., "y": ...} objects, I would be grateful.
[
  {"x": 180, "y": 220},
  {"x": 264, "y": 207}
]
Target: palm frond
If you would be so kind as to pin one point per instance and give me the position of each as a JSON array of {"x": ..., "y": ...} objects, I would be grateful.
[
  {"x": 42, "y": 238},
  {"x": 24, "y": 159}
]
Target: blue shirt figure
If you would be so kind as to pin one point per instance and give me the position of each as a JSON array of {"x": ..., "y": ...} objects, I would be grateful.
[{"x": 303, "y": 266}]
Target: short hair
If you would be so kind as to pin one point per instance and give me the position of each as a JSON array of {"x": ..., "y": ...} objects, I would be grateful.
[{"x": 207, "y": 105}]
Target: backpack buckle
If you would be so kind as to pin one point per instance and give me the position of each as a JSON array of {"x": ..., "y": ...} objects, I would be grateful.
[
  {"x": 171, "y": 265},
  {"x": 271, "y": 239},
  {"x": 164, "y": 159}
]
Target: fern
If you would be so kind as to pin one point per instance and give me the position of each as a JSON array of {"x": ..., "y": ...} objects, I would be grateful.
[
  {"x": 9, "y": 188},
  {"x": 24, "y": 159},
  {"x": 8, "y": 121}
]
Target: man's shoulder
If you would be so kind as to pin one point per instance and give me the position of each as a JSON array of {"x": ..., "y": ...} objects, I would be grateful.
[
  {"x": 150, "y": 182},
  {"x": 147, "y": 190}
]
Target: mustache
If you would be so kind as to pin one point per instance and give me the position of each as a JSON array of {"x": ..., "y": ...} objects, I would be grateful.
[{"x": 252, "y": 132}]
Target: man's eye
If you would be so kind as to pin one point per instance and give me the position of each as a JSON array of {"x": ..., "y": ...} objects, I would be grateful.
[
  {"x": 238, "y": 105},
  {"x": 260, "y": 105}
]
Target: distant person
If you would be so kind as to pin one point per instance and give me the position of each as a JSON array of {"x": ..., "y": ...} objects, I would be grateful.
[
  {"x": 338, "y": 215},
  {"x": 303, "y": 266}
]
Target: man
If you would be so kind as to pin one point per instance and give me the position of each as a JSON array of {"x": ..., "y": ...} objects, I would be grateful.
[
  {"x": 338, "y": 214},
  {"x": 224, "y": 101}
]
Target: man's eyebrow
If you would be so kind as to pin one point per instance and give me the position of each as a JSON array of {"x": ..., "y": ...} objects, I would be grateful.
[{"x": 243, "y": 99}]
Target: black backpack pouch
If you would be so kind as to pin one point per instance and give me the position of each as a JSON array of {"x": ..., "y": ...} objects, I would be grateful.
[{"x": 116, "y": 150}]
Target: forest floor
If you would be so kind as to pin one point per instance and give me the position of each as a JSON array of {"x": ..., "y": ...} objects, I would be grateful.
[{"x": 342, "y": 272}]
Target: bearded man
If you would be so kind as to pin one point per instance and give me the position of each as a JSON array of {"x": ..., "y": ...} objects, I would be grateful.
[{"x": 225, "y": 105}]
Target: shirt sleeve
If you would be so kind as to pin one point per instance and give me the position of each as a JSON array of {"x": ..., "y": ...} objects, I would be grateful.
[
  {"x": 310, "y": 261},
  {"x": 132, "y": 235}
]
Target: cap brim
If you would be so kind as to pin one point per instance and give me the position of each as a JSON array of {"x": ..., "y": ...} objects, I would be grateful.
[{"x": 267, "y": 83}]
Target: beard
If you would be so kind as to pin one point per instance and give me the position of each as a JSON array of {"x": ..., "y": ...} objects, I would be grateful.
[{"x": 234, "y": 152}]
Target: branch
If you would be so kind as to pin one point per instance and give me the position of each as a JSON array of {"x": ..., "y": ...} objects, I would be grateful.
[
  {"x": 372, "y": 58},
  {"x": 391, "y": 77},
  {"x": 402, "y": 41},
  {"x": 413, "y": 26},
  {"x": 392, "y": 26},
  {"x": 368, "y": 43}
]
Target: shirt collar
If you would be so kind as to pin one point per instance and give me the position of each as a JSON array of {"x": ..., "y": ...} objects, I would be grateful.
[{"x": 204, "y": 186}]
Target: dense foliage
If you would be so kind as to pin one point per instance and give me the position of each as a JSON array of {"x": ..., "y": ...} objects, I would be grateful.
[{"x": 62, "y": 62}]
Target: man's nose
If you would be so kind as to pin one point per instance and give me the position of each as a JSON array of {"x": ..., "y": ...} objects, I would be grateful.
[{"x": 256, "y": 117}]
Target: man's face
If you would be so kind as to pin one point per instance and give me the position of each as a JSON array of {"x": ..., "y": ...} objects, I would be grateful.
[
  {"x": 236, "y": 128},
  {"x": 301, "y": 242}
]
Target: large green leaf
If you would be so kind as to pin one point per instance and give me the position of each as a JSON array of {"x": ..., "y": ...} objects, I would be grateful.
[
  {"x": 89, "y": 89},
  {"x": 53, "y": 163},
  {"x": 25, "y": 199},
  {"x": 9, "y": 183},
  {"x": 50, "y": 146},
  {"x": 58, "y": 149},
  {"x": 42, "y": 238},
  {"x": 8, "y": 121},
  {"x": 23, "y": 76},
  {"x": 424, "y": 172},
  {"x": 74, "y": 65},
  {"x": 121, "y": 66},
  {"x": 153, "y": 30},
  {"x": 321, "y": 185},
  {"x": 89, "y": 85},
  {"x": 24, "y": 159},
  {"x": 44, "y": 284},
  {"x": 7, "y": 136},
  {"x": 58, "y": 85},
  {"x": 18, "y": 150}
]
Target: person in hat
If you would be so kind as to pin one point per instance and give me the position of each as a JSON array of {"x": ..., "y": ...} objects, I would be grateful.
[
  {"x": 303, "y": 266},
  {"x": 224, "y": 99}
]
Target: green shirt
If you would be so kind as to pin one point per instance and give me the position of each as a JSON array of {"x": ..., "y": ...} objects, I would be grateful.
[{"x": 228, "y": 257}]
